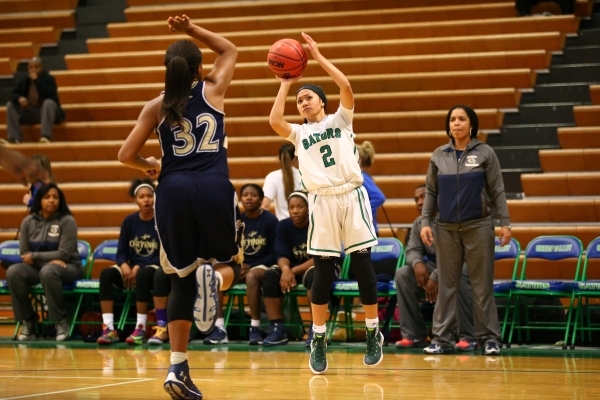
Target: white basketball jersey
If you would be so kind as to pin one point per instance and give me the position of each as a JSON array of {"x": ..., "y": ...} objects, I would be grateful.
[{"x": 326, "y": 151}]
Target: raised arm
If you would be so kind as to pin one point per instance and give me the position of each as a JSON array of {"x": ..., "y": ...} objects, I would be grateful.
[
  {"x": 346, "y": 95},
  {"x": 279, "y": 125},
  {"x": 145, "y": 125},
  {"x": 222, "y": 72}
]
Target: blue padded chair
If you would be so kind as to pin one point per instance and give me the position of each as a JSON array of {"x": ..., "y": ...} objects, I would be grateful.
[
  {"x": 389, "y": 251},
  {"x": 586, "y": 287},
  {"x": 503, "y": 279},
  {"x": 544, "y": 280},
  {"x": 9, "y": 254}
]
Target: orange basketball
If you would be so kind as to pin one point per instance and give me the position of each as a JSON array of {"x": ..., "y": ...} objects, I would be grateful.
[
  {"x": 287, "y": 58},
  {"x": 91, "y": 324}
]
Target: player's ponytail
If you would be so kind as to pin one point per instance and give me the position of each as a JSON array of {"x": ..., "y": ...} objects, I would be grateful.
[
  {"x": 286, "y": 155},
  {"x": 182, "y": 60}
]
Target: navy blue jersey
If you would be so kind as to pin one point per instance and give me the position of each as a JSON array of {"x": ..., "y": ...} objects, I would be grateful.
[
  {"x": 290, "y": 242},
  {"x": 138, "y": 242},
  {"x": 259, "y": 239},
  {"x": 199, "y": 143}
]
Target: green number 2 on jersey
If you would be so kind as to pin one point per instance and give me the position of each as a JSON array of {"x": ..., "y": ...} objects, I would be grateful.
[{"x": 328, "y": 161}]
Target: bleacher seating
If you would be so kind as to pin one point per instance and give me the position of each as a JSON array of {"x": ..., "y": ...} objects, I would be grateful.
[{"x": 408, "y": 63}]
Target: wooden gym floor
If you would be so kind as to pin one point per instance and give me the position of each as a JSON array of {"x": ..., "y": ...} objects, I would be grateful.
[{"x": 77, "y": 370}]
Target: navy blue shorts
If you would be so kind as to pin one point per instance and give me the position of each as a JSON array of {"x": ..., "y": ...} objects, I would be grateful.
[{"x": 197, "y": 218}]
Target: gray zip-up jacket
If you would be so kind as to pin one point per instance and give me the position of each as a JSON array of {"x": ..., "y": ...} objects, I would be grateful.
[
  {"x": 49, "y": 239},
  {"x": 417, "y": 251},
  {"x": 468, "y": 192}
]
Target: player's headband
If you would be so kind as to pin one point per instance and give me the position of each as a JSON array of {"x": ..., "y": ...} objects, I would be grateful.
[
  {"x": 317, "y": 89},
  {"x": 141, "y": 186},
  {"x": 299, "y": 194}
]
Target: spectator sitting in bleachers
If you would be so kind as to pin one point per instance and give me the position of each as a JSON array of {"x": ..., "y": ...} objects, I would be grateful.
[
  {"x": 259, "y": 255},
  {"x": 137, "y": 268},
  {"x": 281, "y": 183},
  {"x": 366, "y": 153},
  {"x": 420, "y": 272},
  {"x": 48, "y": 247},
  {"x": 34, "y": 100}
]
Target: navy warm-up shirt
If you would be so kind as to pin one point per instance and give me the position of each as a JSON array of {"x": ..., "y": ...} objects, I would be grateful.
[
  {"x": 138, "y": 242},
  {"x": 290, "y": 242},
  {"x": 259, "y": 239}
]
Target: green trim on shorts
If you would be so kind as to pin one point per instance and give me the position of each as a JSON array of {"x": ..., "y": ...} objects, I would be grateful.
[
  {"x": 362, "y": 213},
  {"x": 360, "y": 244},
  {"x": 312, "y": 225}
]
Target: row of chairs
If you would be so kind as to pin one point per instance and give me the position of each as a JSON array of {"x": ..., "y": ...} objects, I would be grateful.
[{"x": 576, "y": 280}]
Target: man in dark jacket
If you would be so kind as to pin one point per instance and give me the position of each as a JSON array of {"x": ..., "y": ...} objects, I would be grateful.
[{"x": 34, "y": 100}]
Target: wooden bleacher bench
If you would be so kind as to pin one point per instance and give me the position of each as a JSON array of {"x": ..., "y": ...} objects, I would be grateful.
[
  {"x": 579, "y": 137},
  {"x": 261, "y": 106},
  {"x": 47, "y": 34},
  {"x": 19, "y": 6},
  {"x": 438, "y": 33},
  {"x": 317, "y": 19},
  {"x": 558, "y": 210},
  {"x": 20, "y": 50},
  {"x": 272, "y": 7},
  {"x": 555, "y": 210},
  {"x": 489, "y": 119},
  {"x": 595, "y": 94},
  {"x": 530, "y": 59},
  {"x": 87, "y": 216},
  {"x": 570, "y": 160},
  {"x": 107, "y": 53},
  {"x": 58, "y": 19},
  {"x": 561, "y": 184},
  {"x": 482, "y": 80},
  {"x": 587, "y": 115},
  {"x": 6, "y": 67}
]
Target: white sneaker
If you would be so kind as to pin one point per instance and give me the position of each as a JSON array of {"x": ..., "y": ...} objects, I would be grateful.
[
  {"x": 27, "y": 328},
  {"x": 205, "y": 308},
  {"x": 62, "y": 330}
]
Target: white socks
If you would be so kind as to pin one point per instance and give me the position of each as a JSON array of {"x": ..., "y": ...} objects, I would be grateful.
[
  {"x": 372, "y": 323},
  {"x": 141, "y": 320},
  {"x": 178, "y": 357},
  {"x": 108, "y": 319},
  {"x": 319, "y": 329}
]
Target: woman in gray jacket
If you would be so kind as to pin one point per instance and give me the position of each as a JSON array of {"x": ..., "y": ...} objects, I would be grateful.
[
  {"x": 464, "y": 183},
  {"x": 48, "y": 247}
]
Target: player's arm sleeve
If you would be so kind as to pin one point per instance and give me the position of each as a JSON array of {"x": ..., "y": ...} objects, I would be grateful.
[
  {"x": 414, "y": 248},
  {"x": 430, "y": 205},
  {"x": 282, "y": 246}
]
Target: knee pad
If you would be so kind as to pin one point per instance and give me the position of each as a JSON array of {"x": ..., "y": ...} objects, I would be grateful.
[
  {"x": 183, "y": 297},
  {"x": 309, "y": 278},
  {"x": 270, "y": 283},
  {"x": 324, "y": 276},
  {"x": 363, "y": 269}
]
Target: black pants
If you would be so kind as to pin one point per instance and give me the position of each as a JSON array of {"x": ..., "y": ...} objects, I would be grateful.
[{"x": 148, "y": 281}]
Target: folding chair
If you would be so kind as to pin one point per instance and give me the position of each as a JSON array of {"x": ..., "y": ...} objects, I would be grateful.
[
  {"x": 586, "y": 287},
  {"x": 387, "y": 257},
  {"x": 9, "y": 254},
  {"x": 37, "y": 292},
  {"x": 550, "y": 266},
  {"x": 504, "y": 274}
]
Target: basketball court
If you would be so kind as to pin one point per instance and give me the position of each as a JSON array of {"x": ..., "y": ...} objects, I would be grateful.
[{"x": 77, "y": 370}]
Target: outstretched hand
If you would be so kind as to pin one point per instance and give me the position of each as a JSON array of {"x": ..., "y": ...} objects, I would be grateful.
[
  {"x": 312, "y": 45},
  {"x": 179, "y": 24}
]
